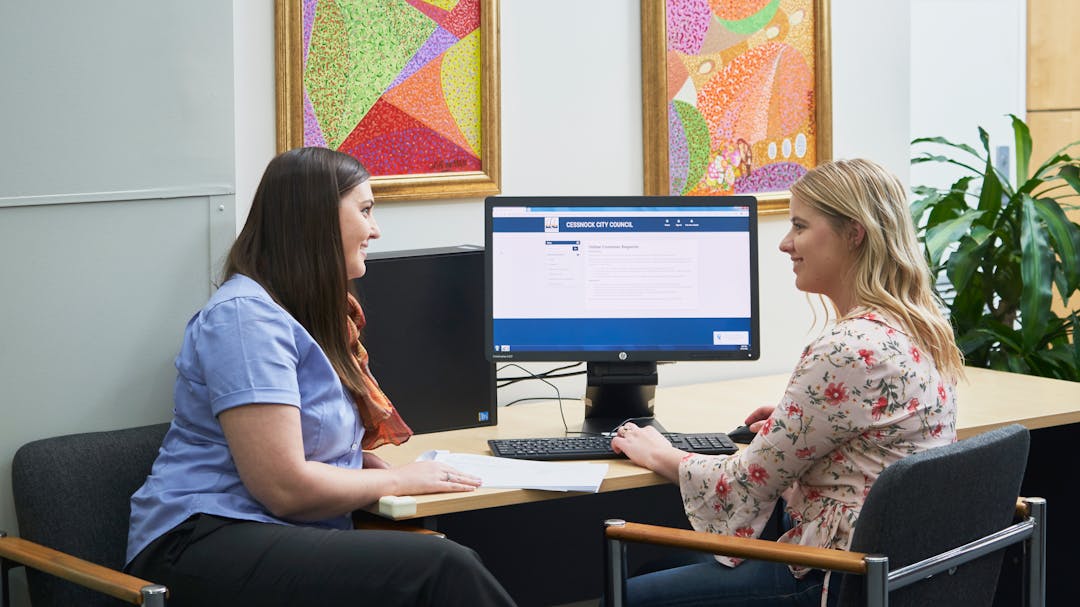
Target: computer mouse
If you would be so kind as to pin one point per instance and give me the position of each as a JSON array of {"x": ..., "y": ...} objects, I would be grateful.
[{"x": 742, "y": 434}]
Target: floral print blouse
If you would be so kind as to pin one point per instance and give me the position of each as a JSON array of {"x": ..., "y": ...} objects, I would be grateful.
[{"x": 862, "y": 396}]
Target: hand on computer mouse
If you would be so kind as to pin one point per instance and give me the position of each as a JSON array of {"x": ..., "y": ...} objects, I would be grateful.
[
  {"x": 742, "y": 434},
  {"x": 757, "y": 417}
]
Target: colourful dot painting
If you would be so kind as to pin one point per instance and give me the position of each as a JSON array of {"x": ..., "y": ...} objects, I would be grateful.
[
  {"x": 394, "y": 83},
  {"x": 740, "y": 92}
]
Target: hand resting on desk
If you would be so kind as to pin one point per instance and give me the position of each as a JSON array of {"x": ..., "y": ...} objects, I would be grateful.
[{"x": 266, "y": 444}]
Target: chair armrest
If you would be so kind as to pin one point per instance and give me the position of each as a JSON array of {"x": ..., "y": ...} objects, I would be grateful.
[
  {"x": 726, "y": 545},
  {"x": 366, "y": 520},
  {"x": 1022, "y": 509},
  {"x": 108, "y": 581}
]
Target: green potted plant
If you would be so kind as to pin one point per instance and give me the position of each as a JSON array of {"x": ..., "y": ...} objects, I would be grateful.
[{"x": 1004, "y": 245}]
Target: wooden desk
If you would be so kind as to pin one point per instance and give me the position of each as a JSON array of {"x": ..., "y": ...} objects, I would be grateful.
[{"x": 987, "y": 400}]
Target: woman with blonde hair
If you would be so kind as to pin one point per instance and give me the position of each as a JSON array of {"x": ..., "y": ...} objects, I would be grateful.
[{"x": 877, "y": 385}]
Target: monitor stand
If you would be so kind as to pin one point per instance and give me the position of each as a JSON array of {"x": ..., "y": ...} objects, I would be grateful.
[{"x": 616, "y": 392}]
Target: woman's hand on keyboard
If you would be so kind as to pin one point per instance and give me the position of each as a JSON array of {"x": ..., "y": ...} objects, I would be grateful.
[{"x": 648, "y": 448}]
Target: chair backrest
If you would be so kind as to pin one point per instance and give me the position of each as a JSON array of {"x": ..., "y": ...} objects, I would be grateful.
[
  {"x": 72, "y": 493},
  {"x": 936, "y": 500}
]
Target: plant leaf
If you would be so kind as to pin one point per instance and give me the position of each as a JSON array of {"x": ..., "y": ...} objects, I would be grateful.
[
  {"x": 948, "y": 207},
  {"x": 984, "y": 138},
  {"x": 945, "y": 159},
  {"x": 964, "y": 262},
  {"x": 1005, "y": 283},
  {"x": 971, "y": 343},
  {"x": 968, "y": 308},
  {"x": 1010, "y": 339},
  {"x": 1065, "y": 236},
  {"x": 1056, "y": 362},
  {"x": 1017, "y": 364},
  {"x": 1052, "y": 162},
  {"x": 932, "y": 196},
  {"x": 919, "y": 207},
  {"x": 943, "y": 141},
  {"x": 999, "y": 361},
  {"x": 1057, "y": 332},
  {"x": 1037, "y": 274},
  {"x": 1061, "y": 281},
  {"x": 1071, "y": 175},
  {"x": 946, "y": 233},
  {"x": 1003, "y": 179},
  {"x": 1023, "y": 148},
  {"x": 990, "y": 197}
]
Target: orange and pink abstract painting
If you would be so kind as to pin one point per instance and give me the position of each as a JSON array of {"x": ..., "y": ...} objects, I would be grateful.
[
  {"x": 394, "y": 83},
  {"x": 741, "y": 95}
]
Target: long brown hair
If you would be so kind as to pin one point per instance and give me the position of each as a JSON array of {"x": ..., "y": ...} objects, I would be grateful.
[
  {"x": 291, "y": 245},
  {"x": 890, "y": 272}
]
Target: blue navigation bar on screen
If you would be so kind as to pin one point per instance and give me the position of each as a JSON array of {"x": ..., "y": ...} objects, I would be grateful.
[
  {"x": 607, "y": 334},
  {"x": 677, "y": 223}
]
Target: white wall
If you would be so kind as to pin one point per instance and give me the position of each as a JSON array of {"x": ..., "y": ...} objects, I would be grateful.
[
  {"x": 968, "y": 69},
  {"x": 253, "y": 75},
  {"x": 571, "y": 124}
]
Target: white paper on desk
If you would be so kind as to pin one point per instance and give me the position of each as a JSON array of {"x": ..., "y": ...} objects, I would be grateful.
[{"x": 505, "y": 473}]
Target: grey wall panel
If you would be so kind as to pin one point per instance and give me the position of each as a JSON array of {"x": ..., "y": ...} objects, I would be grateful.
[
  {"x": 94, "y": 301},
  {"x": 114, "y": 95},
  {"x": 117, "y": 181}
]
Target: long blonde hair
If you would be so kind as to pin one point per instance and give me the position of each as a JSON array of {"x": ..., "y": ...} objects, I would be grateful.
[{"x": 890, "y": 273}]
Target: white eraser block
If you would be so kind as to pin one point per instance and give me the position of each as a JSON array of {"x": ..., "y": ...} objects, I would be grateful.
[{"x": 396, "y": 507}]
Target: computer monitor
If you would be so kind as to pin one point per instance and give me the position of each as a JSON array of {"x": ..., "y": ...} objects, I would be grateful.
[{"x": 621, "y": 282}]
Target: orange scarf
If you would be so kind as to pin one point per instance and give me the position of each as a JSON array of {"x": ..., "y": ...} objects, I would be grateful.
[{"x": 382, "y": 424}]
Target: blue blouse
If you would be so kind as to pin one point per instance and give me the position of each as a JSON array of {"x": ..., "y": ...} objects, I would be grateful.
[{"x": 241, "y": 348}]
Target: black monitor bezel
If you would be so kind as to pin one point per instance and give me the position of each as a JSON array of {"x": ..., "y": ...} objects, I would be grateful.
[{"x": 753, "y": 353}]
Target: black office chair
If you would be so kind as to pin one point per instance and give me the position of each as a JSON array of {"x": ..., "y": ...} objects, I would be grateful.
[
  {"x": 72, "y": 500},
  {"x": 946, "y": 512}
]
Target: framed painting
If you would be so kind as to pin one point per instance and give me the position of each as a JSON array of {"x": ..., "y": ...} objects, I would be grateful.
[
  {"x": 735, "y": 96},
  {"x": 408, "y": 87}
]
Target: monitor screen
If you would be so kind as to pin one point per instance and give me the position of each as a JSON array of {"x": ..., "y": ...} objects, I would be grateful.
[{"x": 621, "y": 279}]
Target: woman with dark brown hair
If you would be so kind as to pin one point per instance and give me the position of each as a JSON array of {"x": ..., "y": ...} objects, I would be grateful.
[{"x": 250, "y": 497}]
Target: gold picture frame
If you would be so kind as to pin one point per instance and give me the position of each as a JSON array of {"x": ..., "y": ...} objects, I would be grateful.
[
  {"x": 656, "y": 96},
  {"x": 289, "y": 55}
]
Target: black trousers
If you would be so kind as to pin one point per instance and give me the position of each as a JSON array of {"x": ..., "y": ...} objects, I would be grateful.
[{"x": 208, "y": 560}]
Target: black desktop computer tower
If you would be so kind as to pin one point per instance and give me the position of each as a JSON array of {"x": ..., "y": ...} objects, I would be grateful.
[{"x": 425, "y": 335}]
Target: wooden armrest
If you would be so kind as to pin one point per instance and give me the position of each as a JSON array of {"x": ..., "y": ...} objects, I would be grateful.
[
  {"x": 366, "y": 520},
  {"x": 1022, "y": 510},
  {"x": 108, "y": 581},
  {"x": 726, "y": 545}
]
